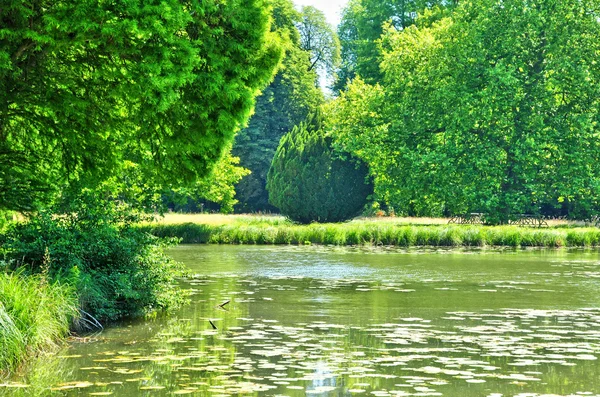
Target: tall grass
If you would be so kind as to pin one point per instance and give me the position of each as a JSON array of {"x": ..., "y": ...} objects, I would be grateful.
[
  {"x": 377, "y": 233},
  {"x": 34, "y": 316}
]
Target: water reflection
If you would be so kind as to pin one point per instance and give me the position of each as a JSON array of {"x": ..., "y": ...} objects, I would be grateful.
[{"x": 312, "y": 321}]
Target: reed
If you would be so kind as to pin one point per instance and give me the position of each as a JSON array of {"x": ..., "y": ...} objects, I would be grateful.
[
  {"x": 368, "y": 232},
  {"x": 34, "y": 317}
]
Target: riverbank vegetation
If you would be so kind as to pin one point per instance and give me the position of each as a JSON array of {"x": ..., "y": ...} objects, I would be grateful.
[
  {"x": 93, "y": 245},
  {"x": 77, "y": 266},
  {"x": 35, "y": 315},
  {"x": 389, "y": 232}
]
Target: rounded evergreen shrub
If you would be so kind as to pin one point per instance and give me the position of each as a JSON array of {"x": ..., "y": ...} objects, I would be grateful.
[{"x": 309, "y": 182}]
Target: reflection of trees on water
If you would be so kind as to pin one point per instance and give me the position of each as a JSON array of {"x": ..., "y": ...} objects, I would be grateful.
[
  {"x": 324, "y": 335},
  {"x": 323, "y": 378},
  {"x": 39, "y": 374}
]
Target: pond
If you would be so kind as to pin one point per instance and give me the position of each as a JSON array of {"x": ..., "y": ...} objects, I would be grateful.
[{"x": 319, "y": 321}]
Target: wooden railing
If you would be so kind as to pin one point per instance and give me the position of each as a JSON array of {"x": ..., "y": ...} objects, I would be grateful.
[
  {"x": 474, "y": 218},
  {"x": 529, "y": 221},
  {"x": 525, "y": 220}
]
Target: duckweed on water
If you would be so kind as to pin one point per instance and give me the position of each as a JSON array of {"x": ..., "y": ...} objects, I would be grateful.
[{"x": 317, "y": 321}]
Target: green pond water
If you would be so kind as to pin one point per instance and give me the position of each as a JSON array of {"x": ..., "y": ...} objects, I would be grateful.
[{"x": 321, "y": 321}]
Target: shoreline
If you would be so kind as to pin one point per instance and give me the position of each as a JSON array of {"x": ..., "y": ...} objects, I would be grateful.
[{"x": 378, "y": 234}]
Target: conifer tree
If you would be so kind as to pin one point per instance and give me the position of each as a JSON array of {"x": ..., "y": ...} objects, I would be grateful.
[
  {"x": 309, "y": 182},
  {"x": 287, "y": 101}
]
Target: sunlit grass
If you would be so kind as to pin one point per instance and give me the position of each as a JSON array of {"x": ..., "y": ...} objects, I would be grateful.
[
  {"x": 217, "y": 219},
  {"x": 243, "y": 229},
  {"x": 256, "y": 219},
  {"x": 34, "y": 316}
]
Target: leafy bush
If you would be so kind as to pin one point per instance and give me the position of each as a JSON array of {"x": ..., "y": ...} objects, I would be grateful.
[
  {"x": 91, "y": 243},
  {"x": 308, "y": 182}
]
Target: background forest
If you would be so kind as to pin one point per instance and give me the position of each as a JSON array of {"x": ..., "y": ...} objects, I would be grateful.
[{"x": 455, "y": 108}]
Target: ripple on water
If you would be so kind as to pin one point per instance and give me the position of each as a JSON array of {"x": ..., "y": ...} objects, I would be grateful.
[{"x": 334, "y": 330}]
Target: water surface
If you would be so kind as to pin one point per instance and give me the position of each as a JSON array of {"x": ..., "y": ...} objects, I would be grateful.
[{"x": 324, "y": 321}]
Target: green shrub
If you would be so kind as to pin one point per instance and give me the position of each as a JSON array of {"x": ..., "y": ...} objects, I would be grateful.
[
  {"x": 6, "y": 217},
  {"x": 308, "y": 182},
  {"x": 190, "y": 233},
  {"x": 34, "y": 315},
  {"x": 118, "y": 270}
]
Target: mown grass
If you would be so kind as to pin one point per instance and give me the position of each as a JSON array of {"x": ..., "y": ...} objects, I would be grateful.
[
  {"x": 367, "y": 232},
  {"x": 274, "y": 219},
  {"x": 34, "y": 316}
]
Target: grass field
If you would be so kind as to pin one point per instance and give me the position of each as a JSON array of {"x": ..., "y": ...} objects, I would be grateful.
[
  {"x": 217, "y": 219},
  {"x": 221, "y": 219},
  {"x": 404, "y": 232}
]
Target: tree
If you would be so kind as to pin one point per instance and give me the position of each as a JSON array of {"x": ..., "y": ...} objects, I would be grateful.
[
  {"x": 309, "y": 182},
  {"x": 217, "y": 189},
  {"x": 85, "y": 85},
  {"x": 284, "y": 103},
  {"x": 361, "y": 28},
  {"x": 492, "y": 110},
  {"x": 320, "y": 39}
]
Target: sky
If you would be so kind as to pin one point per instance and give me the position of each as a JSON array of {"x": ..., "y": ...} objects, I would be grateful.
[{"x": 331, "y": 8}]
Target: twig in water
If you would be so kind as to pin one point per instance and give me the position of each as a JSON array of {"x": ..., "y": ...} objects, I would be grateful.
[
  {"x": 213, "y": 324},
  {"x": 223, "y": 304},
  {"x": 87, "y": 321}
]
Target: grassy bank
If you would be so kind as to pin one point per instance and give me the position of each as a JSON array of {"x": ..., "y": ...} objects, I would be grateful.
[
  {"x": 274, "y": 230},
  {"x": 34, "y": 316}
]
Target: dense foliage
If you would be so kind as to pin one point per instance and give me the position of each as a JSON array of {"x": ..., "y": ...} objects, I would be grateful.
[
  {"x": 494, "y": 109},
  {"x": 363, "y": 24},
  {"x": 287, "y": 101},
  {"x": 320, "y": 40},
  {"x": 216, "y": 190},
  {"x": 91, "y": 243},
  {"x": 308, "y": 182},
  {"x": 86, "y": 84}
]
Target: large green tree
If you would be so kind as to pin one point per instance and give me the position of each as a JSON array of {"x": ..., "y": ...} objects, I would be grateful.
[
  {"x": 319, "y": 38},
  {"x": 284, "y": 103},
  {"x": 85, "y": 85},
  {"x": 495, "y": 109},
  {"x": 217, "y": 190},
  {"x": 362, "y": 26}
]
